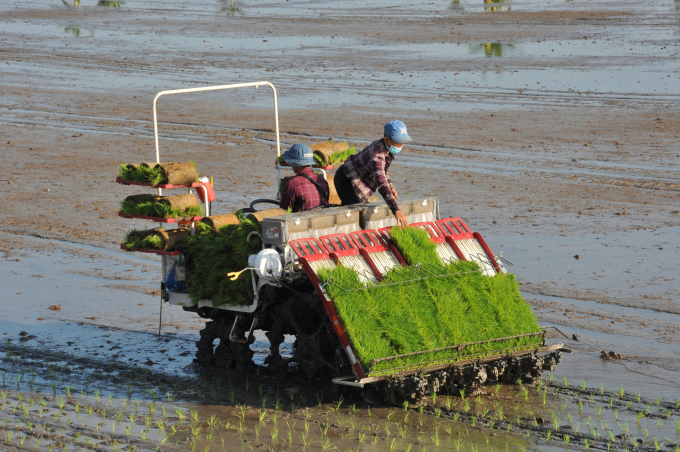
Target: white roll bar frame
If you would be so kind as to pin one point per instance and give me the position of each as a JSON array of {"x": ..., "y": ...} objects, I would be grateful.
[
  {"x": 255, "y": 303},
  {"x": 214, "y": 88}
]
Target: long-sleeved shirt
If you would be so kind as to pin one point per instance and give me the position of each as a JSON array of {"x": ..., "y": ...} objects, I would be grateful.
[
  {"x": 367, "y": 170},
  {"x": 300, "y": 194}
]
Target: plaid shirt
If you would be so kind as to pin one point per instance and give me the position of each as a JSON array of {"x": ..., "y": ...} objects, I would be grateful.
[
  {"x": 368, "y": 172},
  {"x": 300, "y": 194}
]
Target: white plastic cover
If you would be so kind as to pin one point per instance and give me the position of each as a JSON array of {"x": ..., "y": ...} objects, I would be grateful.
[{"x": 267, "y": 264}]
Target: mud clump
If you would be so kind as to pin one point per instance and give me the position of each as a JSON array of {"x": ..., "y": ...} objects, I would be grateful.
[{"x": 612, "y": 356}]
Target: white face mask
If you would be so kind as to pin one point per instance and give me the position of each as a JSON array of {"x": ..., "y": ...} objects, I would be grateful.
[{"x": 393, "y": 149}]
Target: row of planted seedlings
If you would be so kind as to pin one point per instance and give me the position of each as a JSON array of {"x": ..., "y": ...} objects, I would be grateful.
[
  {"x": 265, "y": 417},
  {"x": 556, "y": 412},
  {"x": 563, "y": 415},
  {"x": 283, "y": 419},
  {"x": 67, "y": 418},
  {"x": 70, "y": 416},
  {"x": 43, "y": 406},
  {"x": 275, "y": 426},
  {"x": 48, "y": 369}
]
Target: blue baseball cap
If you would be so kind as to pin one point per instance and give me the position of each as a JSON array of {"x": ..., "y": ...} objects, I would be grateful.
[
  {"x": 299, "y": 155},
  {"x": 397, "y": 131}
]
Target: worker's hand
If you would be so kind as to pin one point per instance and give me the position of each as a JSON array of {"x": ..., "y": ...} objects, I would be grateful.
[
  {"x": 401, "y": 218},
  {"x": 394, "y": 192}
]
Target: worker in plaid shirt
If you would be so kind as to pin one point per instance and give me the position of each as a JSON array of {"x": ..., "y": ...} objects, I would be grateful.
[
  {"x": 306, "y": 189},
  {"x": 365, "y": 172}
]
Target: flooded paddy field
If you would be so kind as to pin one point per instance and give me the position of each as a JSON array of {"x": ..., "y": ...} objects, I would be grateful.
[{"x": 551, "y": 127}]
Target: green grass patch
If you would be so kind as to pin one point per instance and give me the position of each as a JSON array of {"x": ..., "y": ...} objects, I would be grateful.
[
  {"x": 161, "y": 210},
  {"x": 389, "y": 320},
  {"x": 212, "y": 254}
]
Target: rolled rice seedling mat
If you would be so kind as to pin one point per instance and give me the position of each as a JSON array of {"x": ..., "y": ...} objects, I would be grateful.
[
  {"x": 178, "y": 173},
  {"x": 157, "y": 239},
  {"x": 389, "y": 320},
  {"x": 177, "y": 206},
  {"x": 332, "y": 153},
  {"x": 215, "y": 222},
  {"x": 122, "y": 181},
  {"x": 171, "y": 173},
  {"x": 211, "y": 254},
  {"x": 328, "y": 154},
  {"x": 181, "y": 202},
  {"x": 257, "y": 217}
]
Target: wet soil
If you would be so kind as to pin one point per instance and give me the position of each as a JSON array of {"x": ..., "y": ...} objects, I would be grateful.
[{"x": 550, "y": 127}]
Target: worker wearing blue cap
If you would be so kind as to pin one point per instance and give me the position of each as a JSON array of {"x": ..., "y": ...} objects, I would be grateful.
[
  {"x": 365, "y": 172},
  {"x": 306, "y": 190}
]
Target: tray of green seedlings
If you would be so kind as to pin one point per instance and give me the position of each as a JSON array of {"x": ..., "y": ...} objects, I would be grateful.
[
  {"x": 159, "y": 175},
  {"x": 219, "y": 246},
  {"x": 162, "y": 209},
  {"x": 460, "y": 306}
]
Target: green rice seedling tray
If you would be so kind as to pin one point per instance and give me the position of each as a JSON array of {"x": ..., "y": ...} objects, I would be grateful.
[{"x": 424, "y": 316}]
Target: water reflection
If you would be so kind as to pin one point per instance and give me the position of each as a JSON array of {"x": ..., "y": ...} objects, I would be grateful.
[
  {"x": 77, "y": 32},
  {"x": 494, "y": 49},
  {"x": 456, "y": 5},
  {"x": 495, "y": 9},
  {"x": 231, "y": 8},
  {"x": 104, "y": 3},
  {"x": 74, "y": 31}
]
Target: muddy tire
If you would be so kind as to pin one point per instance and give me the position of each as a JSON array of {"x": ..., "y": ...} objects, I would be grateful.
[
  {"x": 214, "y": 329},
  {"x": 205, "y": 352},
  {"x": 300, "y": 314}
]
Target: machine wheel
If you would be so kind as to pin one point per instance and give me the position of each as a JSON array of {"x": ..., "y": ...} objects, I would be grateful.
[
  {"x": 227, "y": 355},
  {"x": 314, "y": 347},
  {"x": 205, "y": 346},
  {"x": 314, "y": 350}
]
